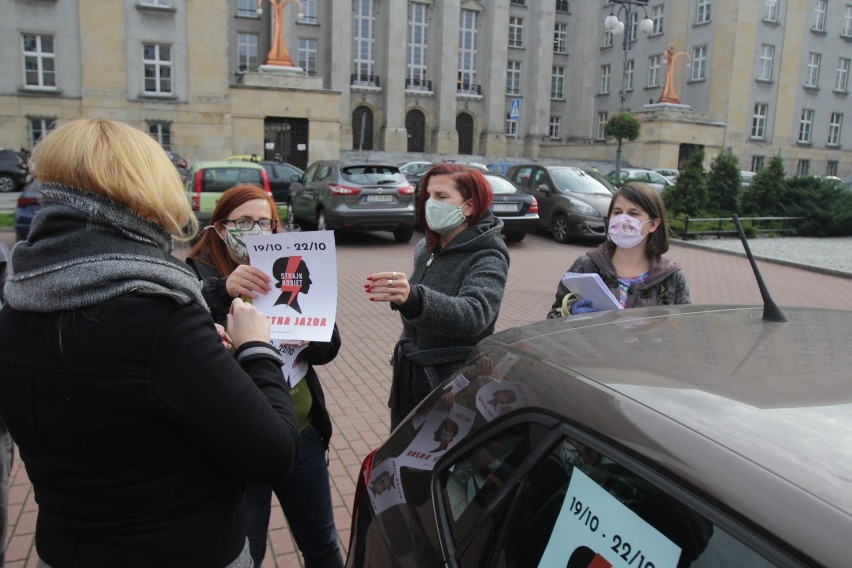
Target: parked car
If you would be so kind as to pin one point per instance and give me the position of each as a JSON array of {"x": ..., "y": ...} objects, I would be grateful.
[
  {"x": 411, "y": 168},
  {"x": 657, "y": 181},
  {"x": 668, "y": 173},
  {"x": 517, "y": 209},
  {"x": 180, "y": 163},
  {"x": 26, "y": 208},
  {"x": 280, "y": 174},
  {"x": 206, "y": 181},
  {"x": 500, "y": 167},
  {"x": 572, "y": 204},
  {"x": 14, "y": 171},
  {"x": 364, "y": 196},
  {"x": 652, "y": 437},
  {"x": 745, "y": 178}
]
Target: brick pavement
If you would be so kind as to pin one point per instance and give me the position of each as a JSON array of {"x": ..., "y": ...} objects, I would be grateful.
[{"x": 356, "y": 383}]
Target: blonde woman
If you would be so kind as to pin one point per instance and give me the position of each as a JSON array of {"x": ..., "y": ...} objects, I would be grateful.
[{"x": 137, "y": 426}]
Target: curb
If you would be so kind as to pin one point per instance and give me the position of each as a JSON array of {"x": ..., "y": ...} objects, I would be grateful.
[{"x": 811, "y": 268}]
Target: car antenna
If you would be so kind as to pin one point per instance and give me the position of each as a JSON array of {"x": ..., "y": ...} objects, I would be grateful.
[{"x": 771, "y": 312}]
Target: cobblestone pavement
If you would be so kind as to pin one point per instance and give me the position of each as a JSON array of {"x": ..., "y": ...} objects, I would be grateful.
[{"x": 356, "y": 383}]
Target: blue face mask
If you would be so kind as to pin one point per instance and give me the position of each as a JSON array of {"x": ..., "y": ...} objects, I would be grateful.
[{"x": 443, "y": 217}]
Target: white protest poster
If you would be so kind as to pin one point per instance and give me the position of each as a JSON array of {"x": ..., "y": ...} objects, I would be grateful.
[
  {"x": 596, "y": 529},
  {"x": 303, "y": 300},
  {"x": 497, "y": 398},
  {"x": 293, "y": 366},
  {"x": 383, "y": 486},
  {"x": 441, "y": 431}
]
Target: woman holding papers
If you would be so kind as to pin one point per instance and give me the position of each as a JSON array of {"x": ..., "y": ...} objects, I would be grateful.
[
  {"x": 630, "y": 261},
  {"x": 452, "y": 298},
  {"x": 137, "y": 428},
  {"x": 221, "y": 261}
]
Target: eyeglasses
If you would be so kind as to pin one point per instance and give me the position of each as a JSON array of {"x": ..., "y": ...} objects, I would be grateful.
[{"x": 246, "y": 224}]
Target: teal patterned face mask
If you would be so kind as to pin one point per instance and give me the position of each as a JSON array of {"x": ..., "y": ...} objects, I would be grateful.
[
  {"x": 443, "y": 217},
  {"x": 234, "y": 240}
]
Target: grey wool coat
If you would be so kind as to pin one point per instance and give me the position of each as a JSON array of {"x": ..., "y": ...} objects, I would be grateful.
[{"x": 460, "y": 288}]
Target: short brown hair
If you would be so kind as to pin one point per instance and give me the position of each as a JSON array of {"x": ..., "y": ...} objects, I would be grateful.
[
  {"x": 471, "y": 184},
  {"x": 119, "y": 162},
  {"x": 646, "y": 198},
  {"x": 210, "y": 249}
]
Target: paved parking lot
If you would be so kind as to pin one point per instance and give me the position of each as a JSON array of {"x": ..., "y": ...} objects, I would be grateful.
[{"x": 357, "y": 382}]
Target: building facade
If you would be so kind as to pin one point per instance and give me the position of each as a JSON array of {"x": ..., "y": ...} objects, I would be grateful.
[{"x": 533, "y": 78}]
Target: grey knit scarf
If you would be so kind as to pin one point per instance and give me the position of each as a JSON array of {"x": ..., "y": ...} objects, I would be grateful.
[{"x": 84, "y": 249}]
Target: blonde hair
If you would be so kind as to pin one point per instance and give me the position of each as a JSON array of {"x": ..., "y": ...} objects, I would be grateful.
[{"x": 120, "y": 162}]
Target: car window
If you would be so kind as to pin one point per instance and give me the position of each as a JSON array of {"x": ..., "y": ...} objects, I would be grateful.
[
  {"x": 577, "y": 181},
  {"x": 539, "y": 179},
  {"x": 500, "y": 185},
  {"x": 220, "y": 179},
  {"x": 577, "y": 505},
  {"x": 521, "y": 176},
  {"x": 372, "y": 175},
  {"x": 310, "y": 173}
]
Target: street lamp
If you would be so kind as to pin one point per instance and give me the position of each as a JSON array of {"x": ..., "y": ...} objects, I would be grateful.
[{"x": 629, "y": 11}]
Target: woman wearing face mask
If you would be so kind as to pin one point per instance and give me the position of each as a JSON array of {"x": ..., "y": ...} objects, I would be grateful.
[
  {"x": 630, "y": 261},
  {"x": 220, "y": 259},
  {"x": 452, "y": 298}
]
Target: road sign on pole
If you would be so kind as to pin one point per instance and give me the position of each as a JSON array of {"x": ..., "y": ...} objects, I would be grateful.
[{"x": 515, "y": 112}]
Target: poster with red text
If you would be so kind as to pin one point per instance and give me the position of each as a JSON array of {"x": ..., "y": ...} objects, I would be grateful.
[{"x": 302, "y": 303}]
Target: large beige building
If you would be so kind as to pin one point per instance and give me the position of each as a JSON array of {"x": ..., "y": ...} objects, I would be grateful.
[{"x": 533, "y": 78}]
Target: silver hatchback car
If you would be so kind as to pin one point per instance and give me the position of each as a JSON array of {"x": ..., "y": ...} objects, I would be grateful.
[{"x": 368, "y": 196}]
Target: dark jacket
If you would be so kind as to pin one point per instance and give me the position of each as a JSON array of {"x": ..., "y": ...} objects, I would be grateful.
[
  {"x": 316, "y": 353},
  {"x": 665, "y": 285},
  {"x": 455, "y": 299},
  {"x": 139, "y": 431}
]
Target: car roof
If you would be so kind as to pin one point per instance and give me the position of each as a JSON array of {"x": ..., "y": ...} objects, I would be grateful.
[
  {"x": 226, "y": 164},
  {"x": 757, "y": 415}
]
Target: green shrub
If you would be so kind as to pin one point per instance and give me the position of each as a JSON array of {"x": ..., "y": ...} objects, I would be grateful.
[
  {"x": 6, "y": 220},
  {"x": 767, "y": 194},
  {"x": 688, "y": 196},
  {"x": 723, "y": 185}
]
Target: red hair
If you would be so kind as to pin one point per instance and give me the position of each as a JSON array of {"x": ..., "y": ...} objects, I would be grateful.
[
  {"x": 210, "y": 249},
  {"x": 469, "y": 181}
]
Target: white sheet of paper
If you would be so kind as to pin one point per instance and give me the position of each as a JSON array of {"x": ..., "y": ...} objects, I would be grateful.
[
  {"x": 293, "y": 369},
  {"x": 590, "y": 286},
  {"x": 302, "y": 303}
]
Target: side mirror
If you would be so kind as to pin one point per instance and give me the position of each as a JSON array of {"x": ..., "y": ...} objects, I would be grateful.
[
  {"x": 294, "y": 177},
  {"x": 544, "y": 188}
]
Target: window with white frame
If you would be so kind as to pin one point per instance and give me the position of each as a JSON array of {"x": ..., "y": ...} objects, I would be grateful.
[
  {"x": 770, "y": 10},
  {"x": 553, "y": 131},
  {"x": 602, "y": 118},
  {"x": 628, "y": 75},
  {"x": 758, "y": 121},
  {"x": 39, "y": 127},
  {"x": 654, "y": 71},
  {"x": 806, "y": 126},
  {"x": 513, "y": 78},
  {"x": 516, "y": 32},
  {"x": 365, "y": 41},
  {"x": 308, "y": 56},
  {"x": 157, "y": 3},
  {"x": 309, "y": 12},
  {"x": 765, "y": 61},
  {"x": 39, "y": 61},
  {"x": 560, "y": 38},
  {"x": 247, "y": 8},
  {"x": 605, "y": 76},
  {"x": 418, "y": 43},
  {"x": 157, "y": 68},
  {"x": 161, "y": 131},
  {"x": 757, "y": 163},
  {"x": 702, "y": 13},
  {"x": 246, "y": 52},
  {"x": 632, "y": 27},
  {"x": 813, "y": 70},
  {"x": 803, "y": 167},
  {"x": 607, "y": 38},
  {"x": 834, "y": 124},
  {"x": 467, "y": 50},
  {"x": 511, "y": 127},
  {"x": 699, "y": 63},
  {"x": 846, "y": 31},
  {"x": 831, "y": 168},
  {"x": 659, "y": 18},
  {"x": 557, "y": 82},
  {"x": 841, "y": 83},
  {"x": 819, "y": 15}
]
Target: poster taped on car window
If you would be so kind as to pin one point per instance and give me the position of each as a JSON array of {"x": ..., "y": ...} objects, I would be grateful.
[
  {"x": 596, "y": 529},
  {"x": 303, "y": 266}
]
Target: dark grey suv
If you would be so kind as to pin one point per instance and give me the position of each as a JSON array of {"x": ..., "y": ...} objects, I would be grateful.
[
  {"x": 355, "y": 196},
  {"x": 14, "y": 171},
  {"x": 572, "y": 204}
]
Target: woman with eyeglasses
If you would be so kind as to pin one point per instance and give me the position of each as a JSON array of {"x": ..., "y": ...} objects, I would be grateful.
[{"x": 221, "y": 260}]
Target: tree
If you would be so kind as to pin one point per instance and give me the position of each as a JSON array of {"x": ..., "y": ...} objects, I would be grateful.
[
  {"x": 688, "y": 196},
  {"x": 621, "y": 126},
  {"x": 723, "y": 186},
  {"x": 766, "y": 195}
]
